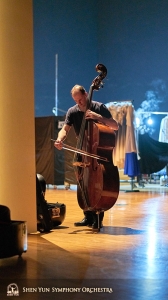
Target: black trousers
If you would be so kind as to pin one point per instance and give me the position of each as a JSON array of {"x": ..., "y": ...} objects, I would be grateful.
[{"x": 92, "y": 217}]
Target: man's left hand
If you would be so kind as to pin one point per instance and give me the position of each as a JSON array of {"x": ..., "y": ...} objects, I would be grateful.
[{"x": 91, "y": 115}]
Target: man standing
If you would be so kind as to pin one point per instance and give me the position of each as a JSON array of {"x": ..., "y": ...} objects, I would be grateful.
[{"x": 97, "y": 112}]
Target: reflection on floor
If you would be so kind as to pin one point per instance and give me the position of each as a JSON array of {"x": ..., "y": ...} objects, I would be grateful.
[{"x": 127, "y": 259}]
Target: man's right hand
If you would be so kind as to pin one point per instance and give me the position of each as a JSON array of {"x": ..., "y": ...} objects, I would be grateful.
[{"x": 58, "y": 144}]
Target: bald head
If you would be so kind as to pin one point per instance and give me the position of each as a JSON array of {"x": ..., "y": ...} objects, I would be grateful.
[{"x": 78, "y": 88}]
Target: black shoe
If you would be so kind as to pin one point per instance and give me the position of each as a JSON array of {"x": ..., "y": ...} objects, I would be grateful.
[{"x": 84, "y": 222}]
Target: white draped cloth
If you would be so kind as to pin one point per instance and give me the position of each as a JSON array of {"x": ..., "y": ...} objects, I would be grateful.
[
  {"x": 163, "y": 133},
  {"x": 125, "y": 151}
]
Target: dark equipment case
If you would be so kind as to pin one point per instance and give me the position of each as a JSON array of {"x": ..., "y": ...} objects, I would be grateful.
[
  {"x": 13, "y": 234},
  {"x": 49, "y": 215}
]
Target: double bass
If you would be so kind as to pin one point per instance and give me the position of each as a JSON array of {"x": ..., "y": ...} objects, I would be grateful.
[{"x": 97, "y": 177}]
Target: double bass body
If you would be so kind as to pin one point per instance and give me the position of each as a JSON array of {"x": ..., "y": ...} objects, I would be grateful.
[{"x": 98, "y": 182}]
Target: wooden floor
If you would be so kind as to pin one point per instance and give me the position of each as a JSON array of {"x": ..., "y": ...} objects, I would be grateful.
[{"x": 127, "y": 259}]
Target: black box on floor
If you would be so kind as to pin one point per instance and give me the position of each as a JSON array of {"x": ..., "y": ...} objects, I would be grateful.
[
  {"x": 13, "y": 238},
  {"x": 57, "y": 212}
]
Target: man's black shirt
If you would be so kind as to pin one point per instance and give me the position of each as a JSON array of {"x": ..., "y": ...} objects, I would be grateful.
[{"x": 74, "y": 116}]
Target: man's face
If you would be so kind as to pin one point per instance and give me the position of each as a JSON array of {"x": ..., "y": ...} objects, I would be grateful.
[{"x": 80, "y": 99}]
